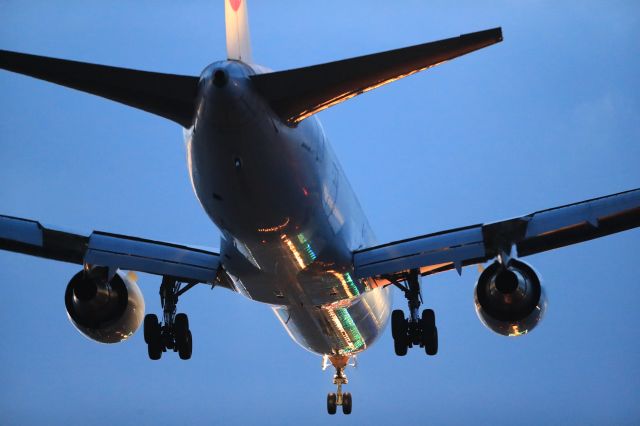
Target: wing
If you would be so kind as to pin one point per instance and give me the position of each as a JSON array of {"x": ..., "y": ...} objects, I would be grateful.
[
  {"x": 183, "y": 263},
  {"x": 530, "y": 234}
]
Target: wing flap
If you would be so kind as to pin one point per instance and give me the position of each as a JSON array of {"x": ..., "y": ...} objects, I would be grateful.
[
  {"x": 445, "y": 250},
  {"x": 575, "y": 223},
  {"x": 167, "y": 95},
  {"x": 298, "y": 93}
]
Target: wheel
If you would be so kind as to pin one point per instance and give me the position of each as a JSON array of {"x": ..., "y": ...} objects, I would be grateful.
[
  {"x": 151, "y": 327},
  {"x": 428, "y": 318},
  {"x": 153, "y": 336},
  {"x": 398, "y": 325},
  {"x": 429, "y": 331},
  {"x": 183, "y": 337},
  {"x": 431, "y": 346},
  {"x": 181, "y": 326},
  {"x": 186, "y": 348},
  {"x": 154, "y": 350},
  {"x": 346, "y": 403},
  {"x": 400, "y": 346},
  {"x": 331, "y": 403}
]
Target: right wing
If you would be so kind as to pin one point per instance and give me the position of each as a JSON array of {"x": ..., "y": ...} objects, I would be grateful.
[
  {"x": 185, "y": 264},
  {"x": 534, "y": 233}
]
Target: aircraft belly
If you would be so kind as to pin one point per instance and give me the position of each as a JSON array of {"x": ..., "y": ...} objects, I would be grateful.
[{"x": 341, "y": 329}]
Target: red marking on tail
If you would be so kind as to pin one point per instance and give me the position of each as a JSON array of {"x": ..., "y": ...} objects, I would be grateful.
[{"x": 235, "y": 4}]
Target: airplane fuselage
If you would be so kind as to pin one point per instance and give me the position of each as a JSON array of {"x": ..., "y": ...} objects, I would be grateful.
[{"x": 288, "y": 216}]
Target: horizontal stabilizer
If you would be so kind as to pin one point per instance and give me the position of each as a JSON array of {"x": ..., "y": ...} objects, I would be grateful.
[
  {"x": 296, "y": 94},
  {"x": 167, "y": 95}
]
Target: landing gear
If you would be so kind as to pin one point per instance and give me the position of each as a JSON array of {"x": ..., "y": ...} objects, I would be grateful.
[
  {"x": 339, "y": 379},
  {"x": 413, "y": 331},
  {"x": 174, "y": 333},
  {"x": 339, "y": 398}
]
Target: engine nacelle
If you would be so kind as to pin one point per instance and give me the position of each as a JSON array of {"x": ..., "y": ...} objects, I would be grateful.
[
  {"x": 510, "y": 301},
  {"x": 104, "y": 311}
]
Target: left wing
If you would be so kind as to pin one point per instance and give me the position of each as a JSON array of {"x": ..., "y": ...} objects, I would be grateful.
[
  {"x": 530, "y": 234},
  {"x": 186, "y": 264}
]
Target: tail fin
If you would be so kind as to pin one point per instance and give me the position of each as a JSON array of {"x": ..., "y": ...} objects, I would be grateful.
[{"x": 237, "y": 23}]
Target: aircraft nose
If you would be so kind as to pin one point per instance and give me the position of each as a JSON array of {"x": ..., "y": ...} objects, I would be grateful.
[{"x": 220, "y": 78}]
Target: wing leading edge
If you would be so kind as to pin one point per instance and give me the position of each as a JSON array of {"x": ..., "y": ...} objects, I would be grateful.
[
  {"x": 114, "y": 251},
  {"x": 534, "y": 233}
]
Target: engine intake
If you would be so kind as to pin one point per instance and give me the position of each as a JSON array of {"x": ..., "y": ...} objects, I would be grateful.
[
  {"x": 107, "y": 311},
  {"x": 510, "y": 300}
]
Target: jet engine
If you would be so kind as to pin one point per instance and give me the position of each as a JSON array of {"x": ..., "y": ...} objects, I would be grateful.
[
  {"x": 510, "y": 300},
  {"x": 104, "y": 310}
]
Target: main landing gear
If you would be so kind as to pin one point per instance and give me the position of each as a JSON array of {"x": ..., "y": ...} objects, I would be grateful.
[
  {"x": 174, "y": 333},
  {"x": 339, "y": 379},
  {"x": 415, "y": 330}
]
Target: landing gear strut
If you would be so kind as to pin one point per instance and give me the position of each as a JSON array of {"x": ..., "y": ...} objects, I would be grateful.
[
  {"x": 339, "y": 379},
  {"x": 174, "y": 332},
  {"x": 415, "y": 330}
]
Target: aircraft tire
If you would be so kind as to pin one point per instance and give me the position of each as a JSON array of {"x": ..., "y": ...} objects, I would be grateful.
[
  {"x": 398, "y": 325},
  {"x": 431, "y": 346},
  {"x": 429, "y": 330},
  {"x": 400, "y": 346},
  {"x": 154, "y": 350},
  {"x": 153, "y": 336},
  {"x": 181, "y": 326},
  {"x": 183, "y": 337},
  {"x": 186, "y": 347},
  {"x": 346, "y": 403},
  {"x": 331, "y": 403},
  {"x": 150, "y": 327}
]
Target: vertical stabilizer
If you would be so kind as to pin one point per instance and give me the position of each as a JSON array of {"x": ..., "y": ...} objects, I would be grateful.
[{"x": 237, "y": 23}]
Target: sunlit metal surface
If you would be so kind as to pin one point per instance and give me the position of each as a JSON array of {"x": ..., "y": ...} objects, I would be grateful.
[
  {"x": 106, "y": 311},
  {"x": 511, "y": 309}
]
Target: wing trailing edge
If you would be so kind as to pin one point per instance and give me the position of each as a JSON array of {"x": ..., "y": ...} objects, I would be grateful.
[
  {"x": 167, "y": 95},
  {"x": 299, "y": 93}
]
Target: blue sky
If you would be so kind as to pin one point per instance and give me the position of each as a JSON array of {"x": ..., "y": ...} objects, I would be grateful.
[{"x": 548, "y": 117}]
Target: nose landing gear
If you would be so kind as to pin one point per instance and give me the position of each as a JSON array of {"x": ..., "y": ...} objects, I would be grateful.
[
  {"x": 415, "y": 330},
  {"x": 339, "y": 379},
  {"x": 174, "y": 333}
]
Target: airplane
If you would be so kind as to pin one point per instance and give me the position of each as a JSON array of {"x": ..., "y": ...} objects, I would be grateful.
[{"x": 294, "y": 236}]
